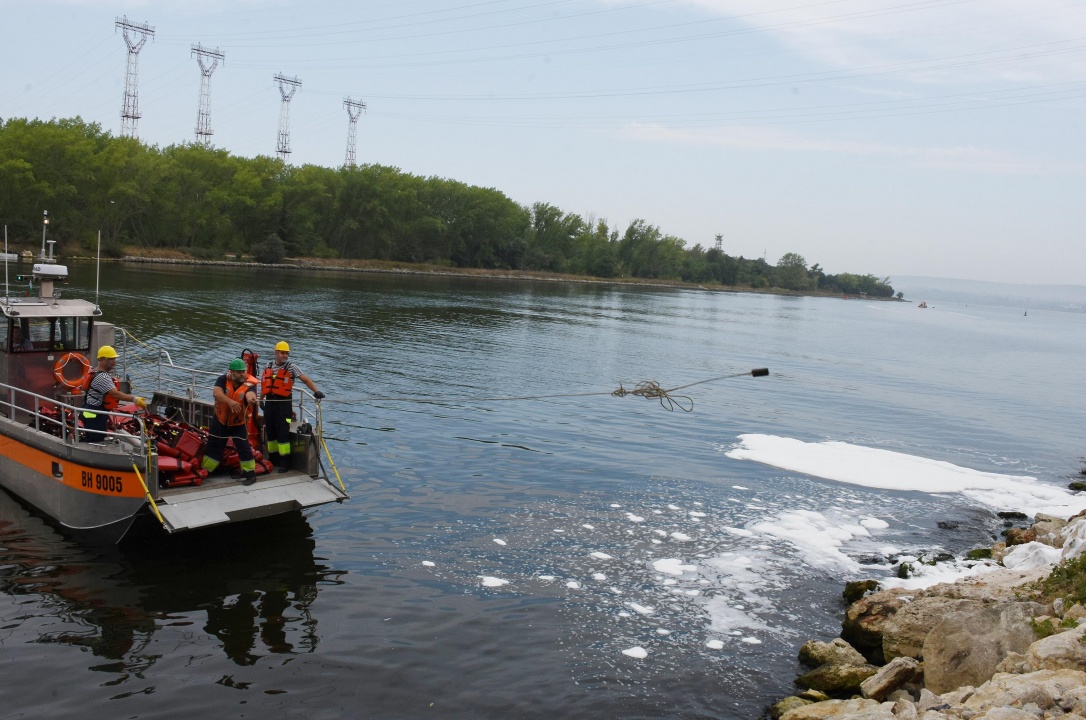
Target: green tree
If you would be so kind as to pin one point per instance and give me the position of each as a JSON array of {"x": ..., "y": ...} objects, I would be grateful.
[
  {"x": 271, "y": 251},
  {"x": 791, "y": 272}
]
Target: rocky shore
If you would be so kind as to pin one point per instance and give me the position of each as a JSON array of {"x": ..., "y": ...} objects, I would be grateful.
[{"x": 1008, "y": 644}]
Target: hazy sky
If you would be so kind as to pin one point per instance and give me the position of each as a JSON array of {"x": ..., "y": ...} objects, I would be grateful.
[{"x": 916, "y": 137}]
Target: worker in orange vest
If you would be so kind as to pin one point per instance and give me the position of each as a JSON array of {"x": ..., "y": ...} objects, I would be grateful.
[{"x": 235, "y": 398}]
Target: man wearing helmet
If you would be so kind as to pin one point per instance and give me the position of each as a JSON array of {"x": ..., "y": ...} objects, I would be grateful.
[
  {"x": 102, "y": 394},
  {"x": 235, "y": 397},
  {"x": 276, "y": 386}
]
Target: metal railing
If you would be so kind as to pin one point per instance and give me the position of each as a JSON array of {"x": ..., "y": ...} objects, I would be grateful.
[
  {"x": 163, "y": 375},
  {"x": 22, "y": 406}
]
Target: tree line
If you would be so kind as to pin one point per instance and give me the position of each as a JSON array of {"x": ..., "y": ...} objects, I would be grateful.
[{"x": 206, "y": 203}]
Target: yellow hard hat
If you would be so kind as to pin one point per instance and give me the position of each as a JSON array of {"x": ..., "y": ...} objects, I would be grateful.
[
  {"x": 106, "y": 351},
  {"x": 283, "y": 346}
]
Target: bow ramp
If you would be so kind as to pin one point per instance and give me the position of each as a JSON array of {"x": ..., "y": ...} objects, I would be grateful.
[{"x": 227, "y": 502}]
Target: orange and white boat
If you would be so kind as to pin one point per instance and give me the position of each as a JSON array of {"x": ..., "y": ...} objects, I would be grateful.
[{"x": 146, "y": 473}]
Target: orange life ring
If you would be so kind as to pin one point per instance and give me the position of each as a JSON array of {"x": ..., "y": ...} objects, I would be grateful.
[{"x": 58, "y": 371}]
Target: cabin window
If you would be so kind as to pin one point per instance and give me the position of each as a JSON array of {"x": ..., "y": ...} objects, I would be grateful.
[
  {"x": 17, "y": 338},
  {"x": 70, "y": 333},
  {"x": 66, "y": 333}
]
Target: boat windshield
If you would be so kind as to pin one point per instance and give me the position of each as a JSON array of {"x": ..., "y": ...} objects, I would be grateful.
[{"x": 46, "y": 333}]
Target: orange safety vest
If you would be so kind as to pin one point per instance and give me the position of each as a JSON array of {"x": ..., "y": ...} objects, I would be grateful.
[
  {"x": 276, "y": 382},
  {"x": 108, "y": 401},
  {"x": 224, "y": 414}
]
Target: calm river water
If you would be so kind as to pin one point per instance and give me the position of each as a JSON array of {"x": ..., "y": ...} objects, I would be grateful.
[{"x": 583, "y": 557}]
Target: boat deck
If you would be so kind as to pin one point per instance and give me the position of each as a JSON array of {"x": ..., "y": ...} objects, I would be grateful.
[{"x": 222, "y": 499}]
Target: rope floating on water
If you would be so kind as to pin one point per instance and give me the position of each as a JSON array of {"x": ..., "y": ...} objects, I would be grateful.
[
  {"x": 652, "y": 389},
  {"x": 647, "y": 389}
]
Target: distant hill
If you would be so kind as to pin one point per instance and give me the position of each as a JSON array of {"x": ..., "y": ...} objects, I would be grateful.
[{"x": 1069, "y": 298}]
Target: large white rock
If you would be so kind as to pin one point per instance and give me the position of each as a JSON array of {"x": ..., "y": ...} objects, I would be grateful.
[
  {"x": 1063, "y": 650},
  {"x": 1044, "y": 688}
]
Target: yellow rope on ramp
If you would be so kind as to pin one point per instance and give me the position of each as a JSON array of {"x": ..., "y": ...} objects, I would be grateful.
[
  {"x": 333, "y": 464},
  {"x": 154, "y": 508}
]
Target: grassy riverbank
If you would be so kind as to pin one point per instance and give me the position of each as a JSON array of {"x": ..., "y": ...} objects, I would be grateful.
[{"x": 380, "y": 266}]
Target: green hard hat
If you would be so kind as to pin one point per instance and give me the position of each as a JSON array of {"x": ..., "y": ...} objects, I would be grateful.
[{"x": 237, "y": 364}]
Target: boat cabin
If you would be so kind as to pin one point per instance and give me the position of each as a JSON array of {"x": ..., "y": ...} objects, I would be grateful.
[{"x": 46, "y": 345}]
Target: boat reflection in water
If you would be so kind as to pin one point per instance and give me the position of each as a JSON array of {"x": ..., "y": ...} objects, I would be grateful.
[{"x": 255, "y": 599}]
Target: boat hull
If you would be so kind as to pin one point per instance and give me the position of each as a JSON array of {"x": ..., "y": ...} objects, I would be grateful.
[{"x": 93, "y": 491}]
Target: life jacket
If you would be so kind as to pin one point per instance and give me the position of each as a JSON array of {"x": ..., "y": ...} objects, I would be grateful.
[
  {"x": 223, "y": 413},
  {"x": 108, "y": 401},
  {"x": 276, "y": 381}
]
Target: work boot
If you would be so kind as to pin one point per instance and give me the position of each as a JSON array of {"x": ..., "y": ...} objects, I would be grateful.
[
  {"x": 248, "y": 478},
  {"x": 284, "y": 463}
]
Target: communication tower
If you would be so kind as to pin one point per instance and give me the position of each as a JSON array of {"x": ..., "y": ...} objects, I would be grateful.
[
  {"x": 208, "y": 60},
  {"x": 287, "y": 86},
  {"x": 354, "y": 109},
  {"x": 135, "y": 35}
]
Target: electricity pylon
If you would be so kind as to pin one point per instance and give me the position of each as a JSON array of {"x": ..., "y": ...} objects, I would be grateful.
[
  {"x": 282, "y": 147},
  {"x": 208, "y": 60},
  {"x": 135, "y": 35},
  {"x": 354, "y": 109}
]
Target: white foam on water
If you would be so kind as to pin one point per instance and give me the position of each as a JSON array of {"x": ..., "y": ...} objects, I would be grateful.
[
  {"x": 924, "y": 575},
  {"x": 696, "y": 514},
  {"x": 751, "y": 641},
  {"x": 817, "y": 537},
  {"x": 634, "y": 518},
  {"x": 738, "y": 532},
  {"x": 672, "y": 566},
  {"x": 889, "y": 470},
  {"x": 490, "y": 581},
  {"x": 636, "y": 652},
  {"x": 1032, "y": 555},
  {"x": 641, "y": 609},
  {"x": 874, "y": 523},
  {"x": 715, "y": 644},
  {"x": 673, "y": 507},
  {"x": 681, "y": 537}
]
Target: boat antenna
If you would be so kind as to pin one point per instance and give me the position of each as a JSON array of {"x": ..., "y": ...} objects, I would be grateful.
[
  {"x": 98, "y": 271},
  {"x": 5, "y": 264}
]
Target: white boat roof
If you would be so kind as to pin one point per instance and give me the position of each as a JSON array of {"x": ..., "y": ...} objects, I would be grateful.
[{"x": 31, "y": 307}]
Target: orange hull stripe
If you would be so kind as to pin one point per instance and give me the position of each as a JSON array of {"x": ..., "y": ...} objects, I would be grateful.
[{"x": 78, "y": 477}]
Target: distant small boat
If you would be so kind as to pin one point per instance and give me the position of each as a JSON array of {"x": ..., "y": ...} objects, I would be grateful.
[{"x": 923, "y": 305}]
